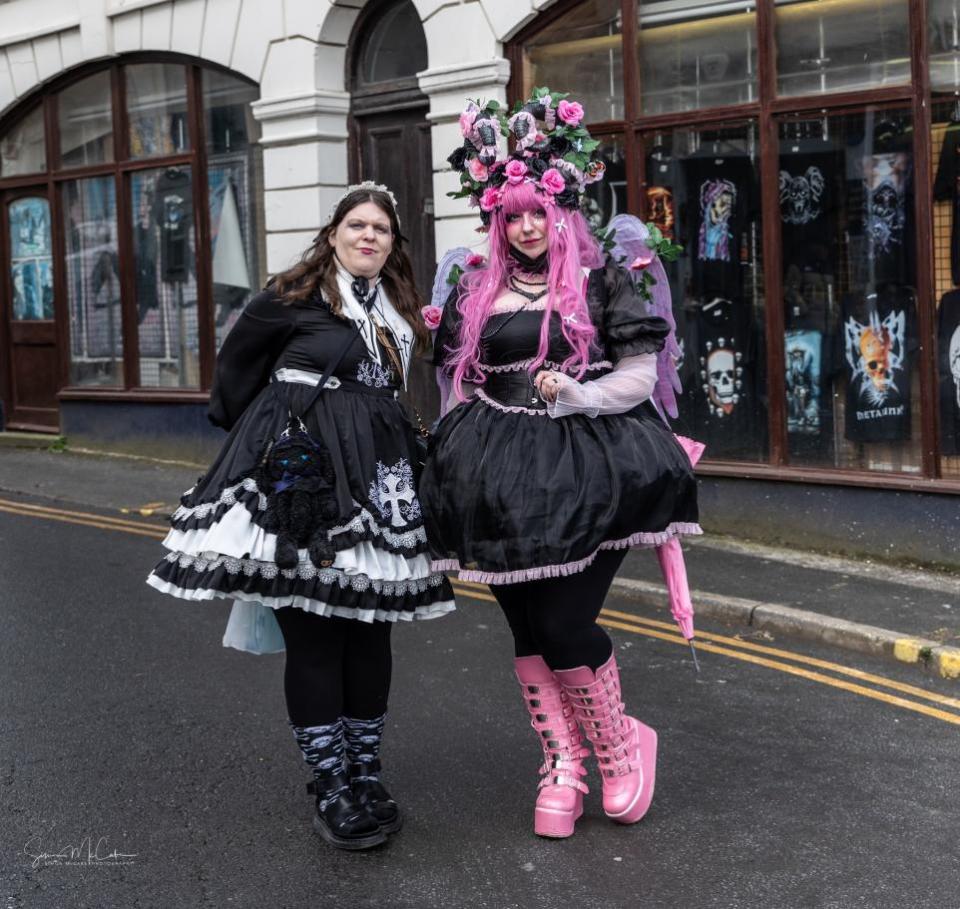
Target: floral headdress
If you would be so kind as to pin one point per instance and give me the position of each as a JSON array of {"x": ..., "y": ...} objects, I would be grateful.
[{"x": 551, "y": 149}]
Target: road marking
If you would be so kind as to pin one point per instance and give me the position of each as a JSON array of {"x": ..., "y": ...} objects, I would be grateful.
[
  {"x": 84, "y": 519},
  {"x": 651, "y": 628},
  {"x": 637, "y": 624}
]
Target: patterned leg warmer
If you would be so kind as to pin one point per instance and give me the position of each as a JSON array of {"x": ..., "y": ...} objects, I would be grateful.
[
  {"x": 362, "y": 741},
  {"x": 322, "y": 748}
]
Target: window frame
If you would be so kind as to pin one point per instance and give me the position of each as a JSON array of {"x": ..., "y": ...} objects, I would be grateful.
[
  {"x": 122, "y": 168},
  {"x": 767, "y": 111}
]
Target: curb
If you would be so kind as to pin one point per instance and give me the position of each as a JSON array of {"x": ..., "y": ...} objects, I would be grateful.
[
  {"x": 28, "y": 439},
  {"x": 805, "y": 624}
]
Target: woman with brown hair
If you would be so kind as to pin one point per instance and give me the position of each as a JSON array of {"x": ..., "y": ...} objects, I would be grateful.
[{"x": 310, "y": 512}]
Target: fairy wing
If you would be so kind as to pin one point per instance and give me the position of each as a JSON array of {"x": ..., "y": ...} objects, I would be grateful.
[
  {"x": 451, "y": 264},
  {"x": 629, "y": 242}
]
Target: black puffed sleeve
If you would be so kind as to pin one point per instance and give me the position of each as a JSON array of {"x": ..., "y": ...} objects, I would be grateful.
[
  {"x": 620, "y": 315},
  {"x": 448, "y": 334},
  {"x": 247, "y": 357}
]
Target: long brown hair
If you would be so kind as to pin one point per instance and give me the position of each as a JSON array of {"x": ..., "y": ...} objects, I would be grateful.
[{"x": 317, "y": 268}]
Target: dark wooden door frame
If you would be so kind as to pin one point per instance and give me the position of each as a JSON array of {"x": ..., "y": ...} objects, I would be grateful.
[{"x": 40, "y": 332}]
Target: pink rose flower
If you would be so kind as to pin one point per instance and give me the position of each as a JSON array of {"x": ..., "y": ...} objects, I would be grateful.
[
  {"x": 475, "y": 260},
  {"x": 477, "y": 170},
  {"x": 431, "y": 316},
  {"x": 466, "y": 122},
  {"x": 570, "y": 112},
  {"x": 643, "y": 260},
  {"x": 490, "y": 198},
  {"x": 515, "y": 171},
  {"x": 552, "y": 181}
]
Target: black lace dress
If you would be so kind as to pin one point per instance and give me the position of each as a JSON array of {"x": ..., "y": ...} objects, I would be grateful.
[
  {"x": 511, "y": 494},
  {"x": 219, "y": 542}
]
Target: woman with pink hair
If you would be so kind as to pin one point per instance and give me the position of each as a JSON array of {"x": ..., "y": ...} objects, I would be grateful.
[{"x": 553, "y": 461}]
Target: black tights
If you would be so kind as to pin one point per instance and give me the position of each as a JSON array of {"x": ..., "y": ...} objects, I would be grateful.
[
  {"x": 336, "y": 667},
  {"x": 557, "y": 617}
]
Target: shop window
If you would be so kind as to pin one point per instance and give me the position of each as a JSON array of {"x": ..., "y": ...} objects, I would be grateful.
[
  {"x": 581, "y": 52},
  {"x": 23, "y": 148},
  {"x": 841, "y": 45},
  {"x": 31, "y": 270},
  {"x": 608, "y": 197},
  {"x": 166, "y": 283},
  {"x": 86, "y": 122},
  {"x": 702, "y": 190},
  {"x": 696, "y": 57},
  {"x": 93, "y": 282},
  {"x": 946, "y": 246},
  {"x": 852, "y": 343},
  {"x": 233, "y": 179},
  {"x": 396, "y": 47},
  {"x": 157, "y": 109}
]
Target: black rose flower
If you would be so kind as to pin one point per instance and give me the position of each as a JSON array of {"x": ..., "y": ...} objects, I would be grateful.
[
  {"x": 458, "y": 159},
  {"x": 567, "y": 199},
  {"x": 537, "y": 166}
]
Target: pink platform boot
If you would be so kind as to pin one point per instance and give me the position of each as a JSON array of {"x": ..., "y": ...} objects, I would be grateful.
[
  {"x": 626, "y": 749},
  {"x": 560, "y": 799}
]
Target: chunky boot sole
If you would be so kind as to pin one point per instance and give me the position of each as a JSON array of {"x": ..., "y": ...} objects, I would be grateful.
[
  {"x": 394, "y": 826},
  {"x": 556, "y": 823},
  {"x": 647, "y": 747},
  {"x": 353, "y": 843}
]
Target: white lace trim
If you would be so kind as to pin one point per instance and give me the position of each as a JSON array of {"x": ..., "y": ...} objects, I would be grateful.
[
  {"x": 429, "y": 611},
  {"x": 516, "y": 305},
  {"x": 519, "y": 365},
  {"x": 364, "y": 521},
  {"x": 305, "y": 571},
  {"x": 505, "y": 408},
  {"x": 227, "y": 497}
]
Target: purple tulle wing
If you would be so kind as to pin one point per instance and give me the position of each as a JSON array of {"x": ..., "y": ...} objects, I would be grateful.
[
  {"x": 453, "y": 258},
  {"x": 629, "y": 242}
]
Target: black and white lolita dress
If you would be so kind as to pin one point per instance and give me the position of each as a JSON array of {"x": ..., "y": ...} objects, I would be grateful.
[
  {"x": 218, "y": 543},
  {"x": 511, "y": 494}
]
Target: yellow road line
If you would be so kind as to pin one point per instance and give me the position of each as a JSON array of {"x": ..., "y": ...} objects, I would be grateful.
[
  {"x": 793, "y": 670},
  {"x": 649, "y": 628},
  {"x": 47, "y": 510},
  {"x": 156, "y": 533},
  {"x": 914, "y": 690}
]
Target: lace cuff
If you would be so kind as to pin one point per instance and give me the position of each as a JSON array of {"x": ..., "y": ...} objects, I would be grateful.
[{"x": 631, "y": 383}]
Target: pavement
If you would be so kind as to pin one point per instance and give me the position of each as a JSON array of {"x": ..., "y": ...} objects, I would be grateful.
[{"x": 902, "y": 613}]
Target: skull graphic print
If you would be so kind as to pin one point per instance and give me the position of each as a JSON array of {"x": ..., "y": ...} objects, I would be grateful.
[
  {"x": 720, "y": 375},
  {"x": 875, "y": 354}
]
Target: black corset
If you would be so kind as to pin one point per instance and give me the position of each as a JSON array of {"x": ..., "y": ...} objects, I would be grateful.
[{"x": 513, "y": 389}]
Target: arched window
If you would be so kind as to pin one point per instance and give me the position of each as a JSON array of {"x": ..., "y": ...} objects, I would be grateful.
[{"x": 131, "y": 199}]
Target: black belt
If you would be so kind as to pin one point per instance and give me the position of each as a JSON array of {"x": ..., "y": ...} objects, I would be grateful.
[{"x": 513, "y": 389}]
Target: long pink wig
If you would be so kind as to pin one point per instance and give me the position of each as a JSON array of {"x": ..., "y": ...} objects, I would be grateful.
[{"x": 570, "y": 249}]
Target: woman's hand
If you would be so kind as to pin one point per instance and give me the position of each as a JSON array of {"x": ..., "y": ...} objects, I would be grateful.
[{"x": 548, "y": 384}]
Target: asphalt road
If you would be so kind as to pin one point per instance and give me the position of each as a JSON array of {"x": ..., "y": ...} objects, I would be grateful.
[{"x": 782, "y": 781}]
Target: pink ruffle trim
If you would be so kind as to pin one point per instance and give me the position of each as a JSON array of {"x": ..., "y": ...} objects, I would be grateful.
[
  {"x": 639, "y": 540},
  {"x": 496, "y": 405}
]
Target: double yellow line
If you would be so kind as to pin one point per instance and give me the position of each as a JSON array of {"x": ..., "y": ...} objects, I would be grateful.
[
  {"x": 83, "y": 518},
  {"x": 889, "y": 691},
  {"x": 810, "y": 668}
]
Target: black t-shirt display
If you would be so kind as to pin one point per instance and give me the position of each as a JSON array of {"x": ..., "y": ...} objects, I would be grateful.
[
  {"x": 722, "y": 404},
  {"x": 720, "y": 204},
  {"x": 947, "y": 186},
  {"x": 948, "y": 367},
  {"x": 885, "y": 232},
  {"x": 811, "y": 190},
  {"x": 173, "y": 212},
  {"x": 880, "y": 339}
]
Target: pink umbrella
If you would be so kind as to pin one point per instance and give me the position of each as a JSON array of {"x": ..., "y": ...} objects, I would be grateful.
[{"x": 670, "y": 556}]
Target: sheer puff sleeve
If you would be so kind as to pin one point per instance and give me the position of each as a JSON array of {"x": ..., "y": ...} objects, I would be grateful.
[
  {"x": 247, "y": 357},
  {"x": 620, "y": 315}
]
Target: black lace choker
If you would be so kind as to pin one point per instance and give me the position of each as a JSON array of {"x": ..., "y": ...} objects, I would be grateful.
[{"x": 533, "y": 266}]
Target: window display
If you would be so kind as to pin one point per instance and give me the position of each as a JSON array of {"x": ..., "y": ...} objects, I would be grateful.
[
  {"x": 850, "y": 308},
  {"x": 702, "y": 188},
  {"x": 157, "y": 109},
  {"x": 31, "y": 265},
  {"x": 23, "y": 147}
]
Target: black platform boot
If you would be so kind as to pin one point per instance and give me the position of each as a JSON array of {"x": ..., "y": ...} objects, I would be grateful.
[
  {"x": 340, "y": 818},
  {"x": 370, "y": 792}
]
